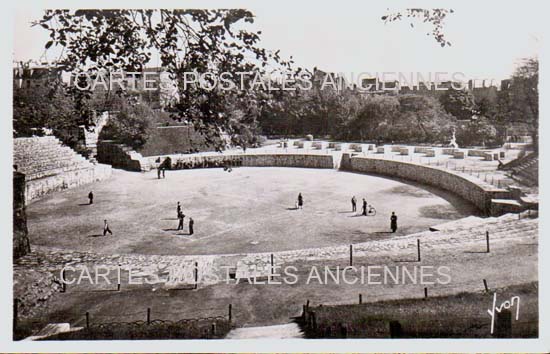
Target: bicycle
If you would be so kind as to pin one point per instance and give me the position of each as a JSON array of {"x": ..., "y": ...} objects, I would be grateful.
[{"x": 371, "y": 211}]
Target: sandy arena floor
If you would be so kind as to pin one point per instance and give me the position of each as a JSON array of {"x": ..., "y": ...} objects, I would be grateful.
[{"x": 247, "y": 210}]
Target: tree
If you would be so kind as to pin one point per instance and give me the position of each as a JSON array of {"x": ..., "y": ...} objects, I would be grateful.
[
  {"x": 520, "y": 101},
  {"x": 130, "y": 125},
  {"x": 213, "y": 41},
  {"x": 459, "y": 103},
  {"x": 478, "y": 132},
  {"x": 374, "y": 118},
  {"x": 436, "y": 17},
  {"x": 46, "y": 105},
  {"x": 422, "y": 119}
]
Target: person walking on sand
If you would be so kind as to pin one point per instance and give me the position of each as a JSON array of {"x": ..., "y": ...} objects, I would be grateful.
[
  {"x": 364, "y": 207},
  {"x": 106, "y": 228},
  {"x": 393, "y": 222},
  {"x": 300, "y": 201},
  {"x": 191, "y": 225},
  {"x": 181, "y": 216},
  {"x": 353, "y": 204},
  {"x": 91, "y": 197},
  {"x": 178, "y": 209}
]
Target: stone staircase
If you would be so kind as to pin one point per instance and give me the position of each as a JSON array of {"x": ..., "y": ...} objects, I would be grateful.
[
  {"x": 524, "y": 169},
  {"x": 528, "y": 172},
  {"x": 121, "y": 156},
  {"x": 50, "y": 166}
]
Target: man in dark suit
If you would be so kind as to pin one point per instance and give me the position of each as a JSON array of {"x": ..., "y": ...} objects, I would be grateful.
[
  {"x": 393, "y": 222},
  {"x": 180, "y": 218},
  {"x": 191, "y": 225}
]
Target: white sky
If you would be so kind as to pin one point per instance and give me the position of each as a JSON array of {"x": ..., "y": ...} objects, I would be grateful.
[{"x": 487, "y": 37}]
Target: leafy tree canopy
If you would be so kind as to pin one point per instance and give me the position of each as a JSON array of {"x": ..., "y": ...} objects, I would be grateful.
[{"x": 212, "y": 41}]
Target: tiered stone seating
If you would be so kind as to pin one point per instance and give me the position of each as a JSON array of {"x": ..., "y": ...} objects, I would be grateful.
[
  {"x": 528, "y": 172},
  {"x": 50, "y": 166},
  {"x": 525, "y": 169},
  {"x": 502, "y": 227},
  {"x": 46, "y": 156}
]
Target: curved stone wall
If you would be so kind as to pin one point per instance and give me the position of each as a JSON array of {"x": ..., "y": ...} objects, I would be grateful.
[
  {"x": 465, "y": 186},
  {"x": 251, "y": 160}
]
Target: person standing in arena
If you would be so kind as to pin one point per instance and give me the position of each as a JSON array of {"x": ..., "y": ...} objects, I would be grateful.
[
  {"x": 181, "y": 216},
  {"x": 353, "y": 204},
  {"x": 364, "y": 207},
  {"x": 91, "y": 197},
  {"x": 393, "y": 222},
  {"x": 106, "y": 228},
  {"x": 300, "y": 201},
  {"x": 191, "y": 225}
]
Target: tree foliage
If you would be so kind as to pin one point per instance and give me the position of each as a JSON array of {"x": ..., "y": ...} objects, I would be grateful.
[
  {"x": 130, "y": 125},
  {"x": 45, "y": 105},
  {"x": 348, "y": 115},
  {"x": 519, "y": 102},
  {"x": 478, "y": 132},
  {"x": 459, "y": 103},
  {"x": 436, "y": 17},
  {"x": 186, "y": 40}
]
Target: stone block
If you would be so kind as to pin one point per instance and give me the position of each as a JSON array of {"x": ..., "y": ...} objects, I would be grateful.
[
  {"x": 396, "y": 148},
  {"x": 458, "y": 154},
  {"x": 448, "y": 151},
  {"x": 317, "y": 145}
]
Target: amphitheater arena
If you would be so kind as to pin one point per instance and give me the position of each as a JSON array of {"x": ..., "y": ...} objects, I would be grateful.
[{"x": 503, "y": 210}]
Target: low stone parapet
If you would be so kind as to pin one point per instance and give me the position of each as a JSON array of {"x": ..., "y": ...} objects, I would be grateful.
[
  {"x": 356, "y": 147},
  {"x": 404, "y": 151},
  {"x": 380, "y": 150}
]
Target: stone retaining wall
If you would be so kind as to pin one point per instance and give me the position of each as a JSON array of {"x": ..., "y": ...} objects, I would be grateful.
[
  {"x": 467, "y": 187},
  {"x": 21, "y": 244},
  {"x": 250, "y": 160},
  {"x": 38, "y": 188}
]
